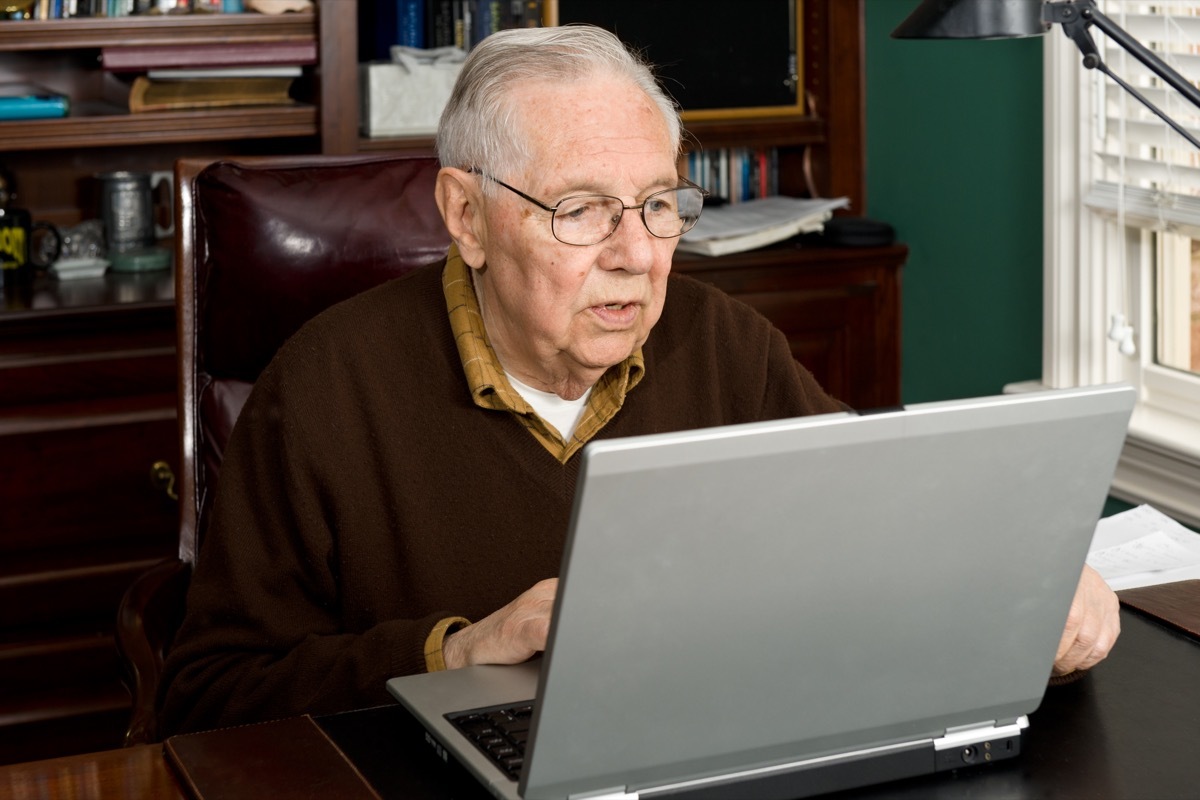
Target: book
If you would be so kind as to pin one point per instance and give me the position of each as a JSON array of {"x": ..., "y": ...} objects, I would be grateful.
[
  {"x": 30, "y": 101},
  {"x": 410, "y": 23},
  {"x": 267, "y": 71},
  {"x": 488, "y": 18},
  {"x": 464, "y": 10},
  {"x": 290, "y": 757},
  {"x": 139, "y": 58},
  {"x": 279, "y": 6},
  {"x": 757, "y": 223},
  {"x": 439, "y": 23},
  {"x": 525, "y": 14},
  {"x": 153, "y": 95},
  {"x": 1177, "y": 604}
]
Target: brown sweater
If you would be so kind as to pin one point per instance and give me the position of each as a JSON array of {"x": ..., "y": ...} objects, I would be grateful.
[{"x": 364, "y": 497}]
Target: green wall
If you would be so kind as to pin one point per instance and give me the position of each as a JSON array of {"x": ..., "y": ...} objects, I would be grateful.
[{"x": 954, "y": 162}]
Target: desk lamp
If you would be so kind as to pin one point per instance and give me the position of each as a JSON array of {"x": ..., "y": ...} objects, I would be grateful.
[{"x": 1007, "y": 19}]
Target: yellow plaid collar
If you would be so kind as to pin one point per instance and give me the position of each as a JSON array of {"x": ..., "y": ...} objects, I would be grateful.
[{"x": 490, "y": 387}]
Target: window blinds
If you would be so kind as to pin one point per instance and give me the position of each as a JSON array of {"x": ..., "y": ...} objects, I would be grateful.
[{"x": 1145, "y": 172}]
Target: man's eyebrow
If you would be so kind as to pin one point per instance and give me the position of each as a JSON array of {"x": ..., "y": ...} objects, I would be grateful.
[{"x": 591, "y": 187}]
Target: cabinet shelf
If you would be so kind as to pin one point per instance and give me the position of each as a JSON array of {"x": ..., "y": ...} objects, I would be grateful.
[
  {"x": 782, "y": 131},
  {"x": 119, "y": 129},
  {"x": 69, "y": 34}
]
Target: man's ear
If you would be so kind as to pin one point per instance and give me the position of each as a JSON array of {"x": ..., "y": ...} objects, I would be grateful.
[{"x": 460, "y": 201}]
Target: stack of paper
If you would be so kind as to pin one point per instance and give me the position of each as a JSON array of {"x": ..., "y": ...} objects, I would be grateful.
[
  {"x": 1144, "y": 547},
  {"x": 757, "y": 223}
]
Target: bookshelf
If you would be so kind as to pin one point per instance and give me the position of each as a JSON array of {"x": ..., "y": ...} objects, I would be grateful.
[
  {"x": 87, "y": 368},
  {"x": 87, "y": 378}
]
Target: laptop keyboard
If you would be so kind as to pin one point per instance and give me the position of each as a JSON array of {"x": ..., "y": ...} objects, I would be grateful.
[{"x": 498, "y": 733}]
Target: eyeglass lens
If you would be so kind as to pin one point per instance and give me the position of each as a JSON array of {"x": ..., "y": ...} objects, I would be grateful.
[{"x": 591, "y": 219}]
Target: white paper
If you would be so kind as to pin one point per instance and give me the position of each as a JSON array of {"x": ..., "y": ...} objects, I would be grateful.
[
  {"x": 751, "y": 216},
  {"x": 1144, "y": 547}
]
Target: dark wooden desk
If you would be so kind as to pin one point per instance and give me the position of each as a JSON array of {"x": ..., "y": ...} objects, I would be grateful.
[{"x": 1127, "y": 731}]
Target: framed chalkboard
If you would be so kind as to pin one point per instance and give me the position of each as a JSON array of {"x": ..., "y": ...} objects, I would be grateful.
[{"x": 717, "y": 58}]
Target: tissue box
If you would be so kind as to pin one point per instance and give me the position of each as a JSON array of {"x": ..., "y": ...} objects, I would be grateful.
[{"x": 399, "y": 101}]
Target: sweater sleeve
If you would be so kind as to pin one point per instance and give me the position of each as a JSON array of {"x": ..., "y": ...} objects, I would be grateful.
[{"x": 264, "y": 636}]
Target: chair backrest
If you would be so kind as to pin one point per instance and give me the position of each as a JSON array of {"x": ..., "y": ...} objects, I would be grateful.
[{"x": 262, "y": 245}]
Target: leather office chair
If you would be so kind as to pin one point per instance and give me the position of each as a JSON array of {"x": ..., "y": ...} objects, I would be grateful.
[{"x": 262, "y": 245}]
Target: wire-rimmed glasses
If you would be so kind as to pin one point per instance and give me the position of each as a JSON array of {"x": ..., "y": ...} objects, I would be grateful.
[{"x": 584, "y": 220}]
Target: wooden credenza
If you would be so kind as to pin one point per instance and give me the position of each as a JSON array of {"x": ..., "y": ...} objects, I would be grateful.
[
  {"x": 838, "y": 307},
  {"x": 87, "y": 405}
]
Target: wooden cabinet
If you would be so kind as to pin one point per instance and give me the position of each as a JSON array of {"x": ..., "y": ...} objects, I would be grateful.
[
  {"x": 838, "y": 307},
  {"x": 87, "y": 368},
  {"x": 87, "y": 406}
]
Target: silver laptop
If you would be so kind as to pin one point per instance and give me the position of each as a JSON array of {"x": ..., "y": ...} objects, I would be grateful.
[{"x": 788, "y": 608}]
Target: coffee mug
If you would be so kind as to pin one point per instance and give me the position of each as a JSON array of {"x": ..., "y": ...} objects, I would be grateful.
[
  {"x": 17, "y": 231},
  {"x": 127, "y": 209}
]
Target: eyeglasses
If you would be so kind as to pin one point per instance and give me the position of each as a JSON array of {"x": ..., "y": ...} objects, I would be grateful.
[{"x": 589, "y": 219}]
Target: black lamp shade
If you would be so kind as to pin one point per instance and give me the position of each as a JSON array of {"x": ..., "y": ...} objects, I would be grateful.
[{"x": 973, "y": 19}]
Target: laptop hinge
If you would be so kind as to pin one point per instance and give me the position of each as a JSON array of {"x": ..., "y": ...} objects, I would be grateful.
[
  {"x": 604, "y": 794},
  {"x": 989, "y": 741}
]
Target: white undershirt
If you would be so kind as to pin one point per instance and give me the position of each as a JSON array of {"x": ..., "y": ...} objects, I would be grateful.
[{"x": 562, "y": 415}]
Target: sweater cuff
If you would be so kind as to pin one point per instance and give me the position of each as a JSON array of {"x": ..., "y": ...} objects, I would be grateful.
[
  {"x": 434, "y": 660},
  {"x": 1070, "y": 677}
]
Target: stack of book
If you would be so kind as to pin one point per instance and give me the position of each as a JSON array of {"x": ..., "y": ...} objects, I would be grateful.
[
  {"x": 175, "y": 77},
  {"x": 448, "y": 23},
  {"x": 735, "y": 174},
  {"x": 68, "y": 9}
]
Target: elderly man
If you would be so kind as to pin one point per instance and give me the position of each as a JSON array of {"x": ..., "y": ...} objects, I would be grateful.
[{"x": 395, "y": 495}]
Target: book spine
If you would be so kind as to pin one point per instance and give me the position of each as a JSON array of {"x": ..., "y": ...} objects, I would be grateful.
[
  {"x": 532, "y": 14},
  {"x": 153, "y": 95},
  {"x": 410, "y": 23},
  {"x": 462, "y": 24},
  {"x": 439, "y": 23},
  {"x": 745, "y": 189},
  {"x": 486, "y": 20},
  {"x": 33, "y": 107}
]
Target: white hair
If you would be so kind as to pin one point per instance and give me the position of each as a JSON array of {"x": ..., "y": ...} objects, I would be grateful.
[{"x": 479, "y": 128}]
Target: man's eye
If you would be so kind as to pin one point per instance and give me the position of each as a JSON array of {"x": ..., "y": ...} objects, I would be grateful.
[{"x": 577, "y": 211}]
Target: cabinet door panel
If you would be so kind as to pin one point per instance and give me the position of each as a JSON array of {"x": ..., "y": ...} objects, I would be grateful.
[{"x": 86, "y": 483}]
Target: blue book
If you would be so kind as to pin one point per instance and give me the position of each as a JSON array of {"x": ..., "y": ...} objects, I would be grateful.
[
  {"x": 27, "y": 101},
  {"x": 410, "y": 23}
]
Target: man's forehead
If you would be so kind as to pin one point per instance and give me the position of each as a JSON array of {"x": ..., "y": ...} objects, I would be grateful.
[{"x": 595, "y": 135}]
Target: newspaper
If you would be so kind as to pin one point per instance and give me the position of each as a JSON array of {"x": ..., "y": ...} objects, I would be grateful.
[
  {"x": 1144, "y": 547},
  {"x": 757, "y": 223}
]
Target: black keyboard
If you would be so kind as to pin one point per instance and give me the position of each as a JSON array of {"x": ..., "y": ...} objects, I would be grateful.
[{"x": 499, "y": 733}]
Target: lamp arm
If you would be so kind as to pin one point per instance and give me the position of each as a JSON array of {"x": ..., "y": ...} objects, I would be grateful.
[{"x": 1078, "y": 15}]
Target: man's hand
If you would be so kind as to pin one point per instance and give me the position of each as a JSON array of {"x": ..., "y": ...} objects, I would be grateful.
[
  {"x": 1092, "y": 625},
  {"x": 510, "y": 635}
]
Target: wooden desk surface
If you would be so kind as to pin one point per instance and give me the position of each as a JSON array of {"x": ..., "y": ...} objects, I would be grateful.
[
  {"x": 1128, "y": 730},
  {"x": 132, "y": 773}
]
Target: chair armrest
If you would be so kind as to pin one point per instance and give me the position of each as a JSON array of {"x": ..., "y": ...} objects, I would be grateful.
[{"x": 147, "y": 619}]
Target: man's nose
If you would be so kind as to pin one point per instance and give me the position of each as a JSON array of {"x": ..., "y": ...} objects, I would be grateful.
[{"x": 631, "y": 246}]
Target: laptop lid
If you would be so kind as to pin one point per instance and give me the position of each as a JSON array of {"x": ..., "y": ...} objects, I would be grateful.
[{"x": 749, "y": 597}]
